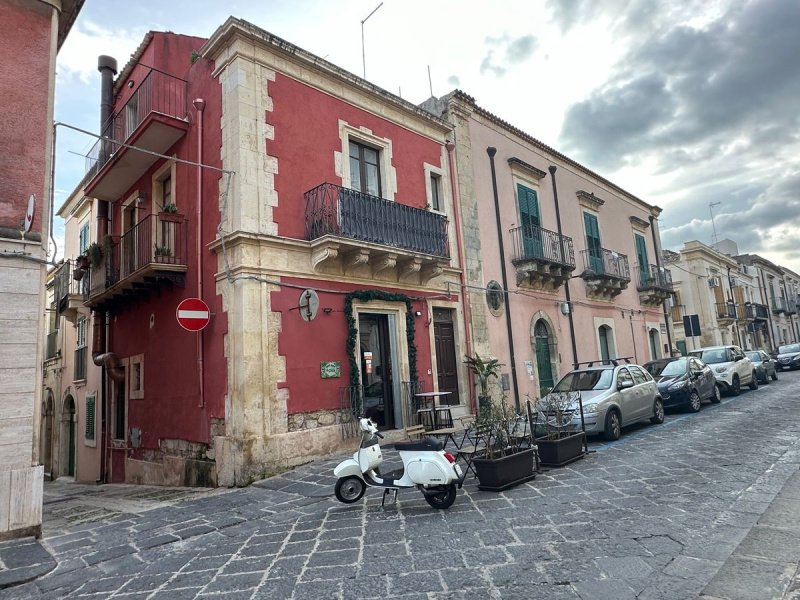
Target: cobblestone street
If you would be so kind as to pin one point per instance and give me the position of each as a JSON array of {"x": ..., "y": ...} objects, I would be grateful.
[{"x": 674, "y": 511}]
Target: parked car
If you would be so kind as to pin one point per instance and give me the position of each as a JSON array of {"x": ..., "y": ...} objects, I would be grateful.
[
  {"x": 789, "y": 357},
  {"x": 731, "y": 367},
  {"x": 684, "y": 381},
  {"x": 613, "y": 396},
  {"x": 766, "y": 366}
]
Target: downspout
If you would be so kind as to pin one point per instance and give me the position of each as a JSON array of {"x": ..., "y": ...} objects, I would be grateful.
[
  {"x": 552, "y": 170},
  {"x": 660, "y": 271},
  {"x": 199, "y": 105},
  {"x": 491, "y": 151},
  {"x": 633, "y": 337},
  {"x": 732, "y": 301},
  {"x": 467, "y": 311},
  {"x": 770, "y": 332}
]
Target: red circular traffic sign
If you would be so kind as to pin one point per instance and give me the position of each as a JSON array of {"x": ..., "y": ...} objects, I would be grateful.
[{"x": 193, "y": 314}]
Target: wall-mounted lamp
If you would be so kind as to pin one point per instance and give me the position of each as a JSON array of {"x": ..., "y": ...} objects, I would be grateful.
[
  {"x": 417, "y": 313},
  {"x": 130, "y": 83},
  {"x": 566, "y": 308}
]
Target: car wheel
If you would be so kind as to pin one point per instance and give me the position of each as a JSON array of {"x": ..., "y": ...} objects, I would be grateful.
[
  {"x": 736, "y": 386},
  {"x": 658, "y": 411},
  {"x": 754, "y": 382},
  {"x": 775, "y": 375},
  {"x": 350, "y": 489},
  {"x": 613, "y": 428},
  {"x": 694, "y": 401},
  {"x": 716, "y": 397},
  {"x": 765, "y": 379}
]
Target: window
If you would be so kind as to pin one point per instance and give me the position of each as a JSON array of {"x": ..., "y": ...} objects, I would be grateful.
[
  {"x": 80, "y": 351},
  {"x": 166, "y": 190},
  {"x": 83, "y": 239},
  {"x": 593, "y": 246},
  {"x": 436, "y": 192},
  {"x": 638, "y": 376},
  {"x": 136, "y": 377},
  {"x": 529, "y": 221},
  {"x": 605, "y": 346},
  {"x": 119, "y": 411},
  {"x": 624, "y": 376},
  {"x": 641, "y": 258},
  {"x": 89, "y": 429},
  {"x": 365, "y": 169}
]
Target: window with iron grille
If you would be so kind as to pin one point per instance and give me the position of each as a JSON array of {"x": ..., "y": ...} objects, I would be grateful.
[{"x": 90, "y": 406}]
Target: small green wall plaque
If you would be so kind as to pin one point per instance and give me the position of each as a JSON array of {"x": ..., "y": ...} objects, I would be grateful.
[{"x": 330, "y": 369}]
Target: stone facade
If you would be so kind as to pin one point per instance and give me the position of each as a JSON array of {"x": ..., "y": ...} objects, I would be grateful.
[{"x": 318, "y": 418}]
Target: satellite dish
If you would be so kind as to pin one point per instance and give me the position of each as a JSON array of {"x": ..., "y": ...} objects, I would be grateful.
[
  {"x": 308, "y": 305},
  {"x": 30, "y": 213}
]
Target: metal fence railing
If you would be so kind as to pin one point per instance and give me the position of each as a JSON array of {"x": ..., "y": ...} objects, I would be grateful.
[
  {"x": 650, "y": 277},
  {"x": 536, "y": 243},
  {"x": 607, "y": 263}
]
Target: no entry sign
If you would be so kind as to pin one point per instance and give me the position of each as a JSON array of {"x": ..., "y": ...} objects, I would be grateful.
[{"x": 193, "y": 314}]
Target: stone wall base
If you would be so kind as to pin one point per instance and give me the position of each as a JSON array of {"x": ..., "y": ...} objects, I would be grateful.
[
  {"x": 240, "y": 461},
  {"x": 172, "y": 471},
  {"x": 21, "y": 501}
]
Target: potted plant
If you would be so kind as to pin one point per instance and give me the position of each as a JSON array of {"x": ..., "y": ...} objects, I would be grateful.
[
  {"x": 484, "y": 370},
  {"x": 559, "y": 444},
  {"x": 77, "y": 273},
  {"x": 169, "y": 212},
  {"x": 505, "y": 463},
  {"x": 94, "y": 252},
  {"x": 162, "y": 252},
  {"x": 82, "y": 262}
]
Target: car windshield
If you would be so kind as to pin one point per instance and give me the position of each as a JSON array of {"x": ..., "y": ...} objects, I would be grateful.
[
  {"x": 596, "y": 379},
  {"x": 754, "y": 356},
  {"x": 789, "y": 349},
  {"x": 710, "y": 357},
  {"x": 672, "y": 368}
]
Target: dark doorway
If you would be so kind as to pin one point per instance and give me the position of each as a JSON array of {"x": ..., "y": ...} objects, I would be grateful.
[
  {"x": 543, "y": 359},
  {"x": 446, "y": 358},
  {"x": 69, "y": 420},
  {"x": 376, "y": 369},
  {"x": 118, "y": 443}
]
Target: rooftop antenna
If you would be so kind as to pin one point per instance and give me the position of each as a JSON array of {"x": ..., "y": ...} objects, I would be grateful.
[
  {"x": 430, "y": 84},
  {"x": 711, "y": 206},
  {"x": 363, "y": 53}
]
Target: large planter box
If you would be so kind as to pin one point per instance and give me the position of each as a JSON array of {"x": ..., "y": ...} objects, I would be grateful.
[
  {"x": 560, "y": 452},
  {"x": 498, "y": 474}
]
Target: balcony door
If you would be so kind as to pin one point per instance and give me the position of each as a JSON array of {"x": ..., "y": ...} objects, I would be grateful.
[
  {"x": 129, "y": 243},
  {"x": 365, "y": 169},
  {"x": 376, "y": 370},
  {"x": 530, "y": 221},
  {"x": 446, "y": 356},
  {"x": 593, "y": 245},
  {"x": 641, "y": 257}
]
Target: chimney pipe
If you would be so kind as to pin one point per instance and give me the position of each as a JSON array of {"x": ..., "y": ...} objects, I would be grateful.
[{"x": 108, "y": 68}]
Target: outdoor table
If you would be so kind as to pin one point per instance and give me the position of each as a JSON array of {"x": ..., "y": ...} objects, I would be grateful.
[{"x": 434, "y": 409}]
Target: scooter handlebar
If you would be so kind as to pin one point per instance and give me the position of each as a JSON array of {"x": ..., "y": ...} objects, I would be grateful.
[{"x": 379, "y": 434}]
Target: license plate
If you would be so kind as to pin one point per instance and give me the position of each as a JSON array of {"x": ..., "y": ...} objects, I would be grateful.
[{"x": 458, "y": 470}]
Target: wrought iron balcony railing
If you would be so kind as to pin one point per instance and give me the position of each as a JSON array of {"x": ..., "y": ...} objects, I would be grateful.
[
  {"x": 760, "y": 311},
  {"x": 726, "y": 310},
  {"x": 607, "y": 264},
  {"x": 536, "y": 243},
  {"x": 791, "y": 307},
  {"x": 342, "y": 212},
  {"x": 80, "y": 364},
  {"x": 158, "y": 93},
  {"x": 779, "y": 305},
  {"x": 153, "y": 241},
  {"x": 650, "y": 276},
  {"x": 65, "y": 284}
]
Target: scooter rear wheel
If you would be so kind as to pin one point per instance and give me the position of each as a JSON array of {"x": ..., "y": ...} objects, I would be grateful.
[
  {"x": 350, "y": 489},
  {"x": 443, "y": 499}
]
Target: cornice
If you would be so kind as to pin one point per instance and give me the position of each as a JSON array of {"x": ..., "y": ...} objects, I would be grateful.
[
  {"x": 521, "y": 165},
  {"x": 589, "y": 200},
  {"x": 638, "y": 222}
]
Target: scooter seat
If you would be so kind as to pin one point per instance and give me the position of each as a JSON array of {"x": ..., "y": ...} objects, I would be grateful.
[{"x": 429, "y": 444}]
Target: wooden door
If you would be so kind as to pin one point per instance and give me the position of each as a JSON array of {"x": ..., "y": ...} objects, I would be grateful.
[
  {"x": 544, "y": 363},
  {"x": 593, "y": 245},
  {"x": 641, "y": 257},
  {"x": 530, "y": 221},
  {"x": 446, "y": 360}
]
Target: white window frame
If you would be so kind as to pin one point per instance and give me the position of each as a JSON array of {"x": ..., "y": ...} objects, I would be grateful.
[
  {"x": 166, "y": 170},
  {"x": 364, "y": 136},
  {"x": 430, "y": 172}
]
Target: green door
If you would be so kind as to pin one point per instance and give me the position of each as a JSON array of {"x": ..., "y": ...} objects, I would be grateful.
[
  {"x": 681, "y": 345},
  {"x": 593, "y": 243},
  {"x": 543, "y": 364},
  {"x": 529, "y": 221},
  {"x": 641, "y": 256}
]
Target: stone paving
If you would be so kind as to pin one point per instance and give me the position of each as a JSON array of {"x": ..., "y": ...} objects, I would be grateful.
[{"x": 656, "y": 515}]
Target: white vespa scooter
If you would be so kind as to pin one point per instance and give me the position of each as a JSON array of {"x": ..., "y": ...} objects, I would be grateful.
[{"x": 425, "y": 465}]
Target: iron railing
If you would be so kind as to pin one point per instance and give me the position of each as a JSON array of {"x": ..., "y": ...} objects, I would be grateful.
[
  {"x": 779, "y": 305},
  {"x": 650, "y": 276},
  {"x": 791, "y": 307},
  {"x": 52, "y": 345},
  {"x": 746, "y": 312},
  {"x": 726, "y": 310},
  {"x": 760, "y": 311},
  {"x": 65, "y": 284},
  {"x": 607, "y": 264},
  {"x": 80, "y": 364},
  {"x": 342, "y": 212},
  {"x": 158, "y": 93},
  {"x": 153, "y": 240},
  {"x": 536, "y": 243},
  {"x": 351, "y": 401}
]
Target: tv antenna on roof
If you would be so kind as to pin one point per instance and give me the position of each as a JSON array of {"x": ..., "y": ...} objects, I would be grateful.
[
  {"x": 363, "y": 52},
  {"x": 711, "y": 206}
]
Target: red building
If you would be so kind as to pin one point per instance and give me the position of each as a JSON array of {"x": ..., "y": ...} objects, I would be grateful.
[{"x": 311, "y": 211}]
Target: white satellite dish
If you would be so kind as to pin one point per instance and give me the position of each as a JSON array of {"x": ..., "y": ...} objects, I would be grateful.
[{"x": 30, "y": 213}]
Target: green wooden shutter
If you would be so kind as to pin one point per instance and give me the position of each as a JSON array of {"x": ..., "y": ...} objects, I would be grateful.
[
  {"x": 641, "y": 256},
  {"x": 529, "y": 221},
  {"x": 593, "y": 244},
  {"x": 89, "y": 429}
]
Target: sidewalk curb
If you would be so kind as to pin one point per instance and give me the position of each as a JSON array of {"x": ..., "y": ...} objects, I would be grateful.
[{"x": 24, "y": 559}]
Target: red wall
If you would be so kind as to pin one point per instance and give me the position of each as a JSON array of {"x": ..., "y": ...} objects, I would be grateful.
[
  {"x": 25, "y": 60},
  {"x": 305, "y": 344},
  {"x": 306, "y": 123},
  {"x": 170, "y": 408}
]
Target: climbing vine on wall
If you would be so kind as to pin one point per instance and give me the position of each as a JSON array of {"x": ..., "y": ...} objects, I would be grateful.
[{"x": 352, "y": 333}]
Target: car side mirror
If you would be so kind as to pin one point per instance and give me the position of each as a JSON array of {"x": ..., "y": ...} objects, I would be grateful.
[{"x": 624, "y": 385}]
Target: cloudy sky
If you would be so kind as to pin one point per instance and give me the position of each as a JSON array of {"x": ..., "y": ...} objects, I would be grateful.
[{"x": 684, "y": 104}]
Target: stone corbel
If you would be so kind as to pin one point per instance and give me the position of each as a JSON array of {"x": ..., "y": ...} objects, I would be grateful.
[
  {"x": 430, "y": 271},
  {"x": 357, "y": 258},
  {"x": 323, "y": 254},
  {"x": 410, "y": 267},
  {"x": 387, "y": 261}
]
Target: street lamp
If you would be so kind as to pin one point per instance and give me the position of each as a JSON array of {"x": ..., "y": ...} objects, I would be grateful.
[{"x": 363, "y": 53}]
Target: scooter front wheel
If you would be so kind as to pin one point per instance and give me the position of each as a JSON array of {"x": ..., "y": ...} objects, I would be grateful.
[
  {"x": 350, "y": 489},
  {"x": 443, "y": 499}
]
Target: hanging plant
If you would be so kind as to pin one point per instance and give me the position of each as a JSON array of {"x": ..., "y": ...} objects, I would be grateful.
[
  {"x": 352, "y": 334},
  {"x": 94, "y": 252}
]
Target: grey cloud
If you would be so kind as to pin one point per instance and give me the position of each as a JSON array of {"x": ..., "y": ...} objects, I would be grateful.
[
  {"x": 520, "y": 49},
  {"x": 454, "y": 81},
  {"x": 488, "y": 65},
  {"x": 513, "y": 51}
]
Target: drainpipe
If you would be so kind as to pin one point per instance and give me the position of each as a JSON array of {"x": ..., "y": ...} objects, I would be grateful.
[
  {"x": 770, "y": 333},
  {"x": 491, "y": 152},
  {"x": 467, "y": 311},
  {"x": 660, "y": 271},
  {"x": 552, "y": 170},
  {"x": 199, "y": 105},
  {"x": 633, "y": 337}
]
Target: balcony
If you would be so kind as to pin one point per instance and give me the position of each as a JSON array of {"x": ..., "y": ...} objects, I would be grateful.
[
  {"x": 653, "y": 284},
  {"x": 153, "y": 119},
  {"x": 543, "y": 259},
  {"x": 152, "y": 254},
  {"x": 760, "y": 311},
  {"x": 606, "y": 274},
  {"x": 791, "y": 307},
  {"x": 80, "y": 364},
  {"x": 51, "y": 350},
  {"x": 779, "y": 305},
  {"x": 70, "y": 294},
  {"x": 356, "y": 233},
  {"x": 726, "y": 313}
]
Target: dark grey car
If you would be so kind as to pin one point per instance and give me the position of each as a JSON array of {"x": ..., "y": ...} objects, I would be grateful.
[{"x": 764, "y": 364}]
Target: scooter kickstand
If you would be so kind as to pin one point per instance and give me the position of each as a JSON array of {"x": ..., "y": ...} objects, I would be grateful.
[{"x": 389, "y": 493}]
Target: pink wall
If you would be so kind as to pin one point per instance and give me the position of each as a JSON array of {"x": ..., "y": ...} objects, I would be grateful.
[{"x": 25, "y": 46}]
